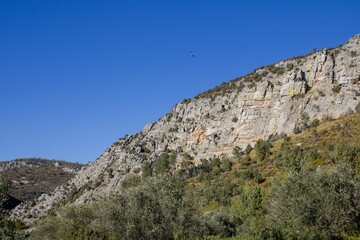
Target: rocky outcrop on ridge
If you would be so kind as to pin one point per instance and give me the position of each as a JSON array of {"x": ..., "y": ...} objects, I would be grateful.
[{"x": 267, "y": 102}]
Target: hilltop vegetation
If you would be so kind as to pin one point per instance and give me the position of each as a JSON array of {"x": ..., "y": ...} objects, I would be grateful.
[
  {"x": 302, "y": 186},
  {"x": 30, "y": 177}
]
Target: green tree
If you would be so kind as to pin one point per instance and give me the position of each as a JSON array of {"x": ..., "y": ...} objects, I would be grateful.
[
  {"x": 155, "y": 209},
  {"x": 316, "y": 204},
  {"x": 304, "y": 120},
  {"x": 248, "y": 149},
  {"x": 289, "y": 155},
  {"x": 237, "y": 152},
  {"x": 146, "y": 169},
  {"x": 262, "y": 149}
]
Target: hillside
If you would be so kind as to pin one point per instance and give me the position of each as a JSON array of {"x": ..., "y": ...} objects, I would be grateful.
[
  {"x": 302, "y": 186},
  {"x": 270, "y": 102},
  {"x": 31, "y": 177}
]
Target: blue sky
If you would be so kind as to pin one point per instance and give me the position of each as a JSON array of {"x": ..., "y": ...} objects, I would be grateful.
[{"x": 76, "y": 75}]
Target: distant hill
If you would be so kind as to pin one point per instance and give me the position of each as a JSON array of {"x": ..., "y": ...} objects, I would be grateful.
[{"x": 31, "y": 177}]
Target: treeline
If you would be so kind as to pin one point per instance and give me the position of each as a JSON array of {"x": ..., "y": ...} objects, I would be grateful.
[
  {"x": 303, "y": 187},
  {"x": 308, "y": 204}
]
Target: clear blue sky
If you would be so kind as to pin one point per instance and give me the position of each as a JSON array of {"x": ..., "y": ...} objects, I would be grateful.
[{"x": 78, "y": 74}]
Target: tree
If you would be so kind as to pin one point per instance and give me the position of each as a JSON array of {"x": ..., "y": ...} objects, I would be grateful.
[
  {"x": 248, "y": 149},
  {"x": 304, "y": 120},
  {"x": 316, "y": 204},
  {"x": 237, "y": 152},
  {"x": 262, "y": 149},
  {"x": 146, "y": 169},
  {"x": 289, "y": 156},
  {"x": 155, "y": 209}
]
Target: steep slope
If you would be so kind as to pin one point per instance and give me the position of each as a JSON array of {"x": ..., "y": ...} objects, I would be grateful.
[{"x": 267, "y": 102}]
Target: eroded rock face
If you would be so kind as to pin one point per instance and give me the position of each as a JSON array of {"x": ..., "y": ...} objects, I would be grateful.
[{"x": 268, "y": 101}]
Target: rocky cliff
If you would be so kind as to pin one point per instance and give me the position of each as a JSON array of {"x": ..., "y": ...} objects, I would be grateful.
[{"x": 270, "y": 101}]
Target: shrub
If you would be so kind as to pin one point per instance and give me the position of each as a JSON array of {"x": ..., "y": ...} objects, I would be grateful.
[
  {"x": 146, "y": 169},
  {"x": 290, "y": 66},
  {"x": 155, "y": 209},
  {"x": 336, "y": 88},
  {"x": 262, "y": 149},
  {"x": 321, "y": 204},
  {"x": 289, "y": 155},
  {"x": 237, "y": 152},
  {"x": 234, "y": 119},
  {"x": 304, "y": 120},
  {"x": 314, "y": 123},
  {"x": 248, "y": 149}
]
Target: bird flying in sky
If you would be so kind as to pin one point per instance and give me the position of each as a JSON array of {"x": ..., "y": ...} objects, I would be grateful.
[{"x": 192, "y": 54}]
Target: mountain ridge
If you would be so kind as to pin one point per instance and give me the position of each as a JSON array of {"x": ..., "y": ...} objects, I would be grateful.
[
  {"x": 277, "y": 99},
  {"x": 30, "y": 177}
]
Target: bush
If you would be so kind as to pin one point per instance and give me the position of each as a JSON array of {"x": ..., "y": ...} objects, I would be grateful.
[
  {"x": 248, "y": 149},
  {"x": 321, "y": 204},
  {"x": 289, "y": 156},
  {"x": 237, "y": 152},
  {"x": 155, "y": 209},
  {"x": 314, "y": 123},
  {"x": 146, "y": 169},
  {"x": 262, "y": 149},
  {"x": 336, "y": 88}
]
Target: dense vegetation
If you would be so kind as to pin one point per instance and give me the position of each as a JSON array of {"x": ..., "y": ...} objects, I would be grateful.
[{"x": 303, "y": 186}]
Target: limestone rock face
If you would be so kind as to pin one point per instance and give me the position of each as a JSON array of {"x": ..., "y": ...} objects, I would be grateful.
[{"x": 268, "y": 101}]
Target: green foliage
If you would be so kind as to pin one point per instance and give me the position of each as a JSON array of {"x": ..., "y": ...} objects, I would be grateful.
[
  {"x": 336, "y": 88},
  {"x": 307, "y": 188},
  {"x": 225, "y": 164},
  {"x": 222, "y": 223},
  {"x": 314, "y": 123},
  {"x": 304, "y": 120},
  {"x": 262, "y": 149},
  {"x": 321, "y": 204},
  {"x": 276, "y": 70},
  {"x": 290, "y": 66},
  {"x": 146, "y": 169},
  {"x": 347, "y": 153},
  {"x": 163, "y": 163},
  {"x": 155, "y": 209},
  {"x": 248, "y": 149},
  {"x": 11, "y": 230},
  {"x": 237, "y": 152},
  {"x": 289, "y": 156}
]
